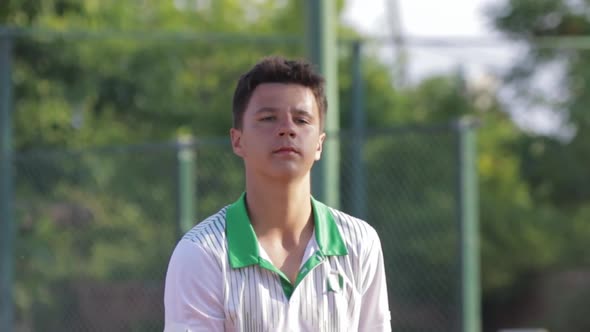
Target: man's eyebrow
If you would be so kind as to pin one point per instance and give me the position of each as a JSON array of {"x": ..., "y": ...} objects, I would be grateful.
[
  {"x": 302, "y": 111},
  {"x": 297, "y": 111}
]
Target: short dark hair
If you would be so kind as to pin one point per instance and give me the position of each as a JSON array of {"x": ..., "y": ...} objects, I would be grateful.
[{"x": 277, "y": 69}]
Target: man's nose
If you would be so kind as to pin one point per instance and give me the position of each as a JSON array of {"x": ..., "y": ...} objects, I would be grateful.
[{"x": 287, "y": 127}]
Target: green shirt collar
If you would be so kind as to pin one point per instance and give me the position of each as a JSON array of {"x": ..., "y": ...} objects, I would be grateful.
[{"x": 243, "y": 245}]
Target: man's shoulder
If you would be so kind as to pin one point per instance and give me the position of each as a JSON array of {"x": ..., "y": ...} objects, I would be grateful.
[
  {"x": 210, "y": 229},
  {"x": 353, "y": 229}
]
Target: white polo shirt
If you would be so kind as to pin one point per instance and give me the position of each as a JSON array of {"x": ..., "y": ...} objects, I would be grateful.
[{"x": 220, "y": 279}]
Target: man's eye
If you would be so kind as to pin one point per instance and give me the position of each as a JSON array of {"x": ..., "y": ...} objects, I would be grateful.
[
  {"x": 267, "y": 118},
  {"x": 302, "y": 120}
]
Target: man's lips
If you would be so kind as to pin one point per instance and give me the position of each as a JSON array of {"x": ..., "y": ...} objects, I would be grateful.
[{"x": 286, "y": 149}]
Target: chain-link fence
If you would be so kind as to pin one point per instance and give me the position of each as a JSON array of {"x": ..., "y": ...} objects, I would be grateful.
[
  {"x": 94, "y": 235},
  {"x": 96, "y": 227},
  {"x": 410, "y": 199}
]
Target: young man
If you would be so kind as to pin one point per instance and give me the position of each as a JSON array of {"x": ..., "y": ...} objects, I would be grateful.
[{"x": 277, "y": 259}]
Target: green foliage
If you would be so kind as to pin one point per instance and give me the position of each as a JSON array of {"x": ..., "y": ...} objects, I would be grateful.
[
  {"x": 108, "y": 89},
  {"x": 543, "y": 224},
  {"x": 554, "y": 169}
]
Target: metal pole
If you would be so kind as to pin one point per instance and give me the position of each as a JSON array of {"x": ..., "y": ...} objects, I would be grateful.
[
  {"x": 400, "y": 55},
  {"x": 185, "y": 185},
  {"x": 7, "y": 227},
  {"x": 469, "y": 226},
  {"x": 322, "y": 50},
  {"x": 358, "y": 120}
]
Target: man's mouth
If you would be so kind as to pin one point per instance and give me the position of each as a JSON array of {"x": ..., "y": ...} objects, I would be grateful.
[{"x": 286, "y": 149}]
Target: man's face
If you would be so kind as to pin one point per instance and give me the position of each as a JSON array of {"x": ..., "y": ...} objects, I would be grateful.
[{"x": 281, "y": 135}]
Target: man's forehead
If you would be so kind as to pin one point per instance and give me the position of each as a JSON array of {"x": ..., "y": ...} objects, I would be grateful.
[{"x": 278, "y": 96}]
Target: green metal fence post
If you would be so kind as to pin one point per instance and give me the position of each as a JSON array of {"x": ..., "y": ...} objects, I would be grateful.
[
  {"x": 185, "y": 184},
  {"x": 322, "y": 47},
  {"x": 467, "y": 209},
  {"x": 7, "y": 227},
  {"x": 358, "y": 185}
]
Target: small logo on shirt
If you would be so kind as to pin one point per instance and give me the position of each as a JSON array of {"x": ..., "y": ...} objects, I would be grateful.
[{"x": 334, "y": 282}]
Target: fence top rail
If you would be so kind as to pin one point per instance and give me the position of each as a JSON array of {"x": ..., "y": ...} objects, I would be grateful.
[
  {"x": 580, "y": 42},
  {"x": 149, "y": 35},
  {"x": 165, "y": 35}
]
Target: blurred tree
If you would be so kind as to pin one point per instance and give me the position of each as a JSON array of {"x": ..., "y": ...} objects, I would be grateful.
[{"x": 554, "y": 167}]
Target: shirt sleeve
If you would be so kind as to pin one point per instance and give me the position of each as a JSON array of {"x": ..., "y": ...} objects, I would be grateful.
[
  {"x": 374, "y": 303},
  {"x": 193, "y": 293}
]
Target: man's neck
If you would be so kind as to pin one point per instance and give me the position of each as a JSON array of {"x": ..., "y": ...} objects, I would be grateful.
[
  {"x": 281, "y": 214},
  {"x": 279, "y": 209}
]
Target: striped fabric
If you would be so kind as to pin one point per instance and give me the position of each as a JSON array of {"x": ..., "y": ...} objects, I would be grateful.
[{"x": 211, "y": 286}]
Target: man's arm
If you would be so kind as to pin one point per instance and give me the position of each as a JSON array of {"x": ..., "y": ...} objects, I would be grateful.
[
  {"x": 193, "y": 295},
  {"x": 375, "y": 315}
]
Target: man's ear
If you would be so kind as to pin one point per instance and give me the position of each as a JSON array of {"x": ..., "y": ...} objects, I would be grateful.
[
  {"x": 236, "y": 141},
  {"x": 318, "y": 151}
]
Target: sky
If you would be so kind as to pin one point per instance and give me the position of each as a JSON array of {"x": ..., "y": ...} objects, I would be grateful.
[
  {"x": 458, "y": 20},
  {"x": 422, "y": 17}
]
